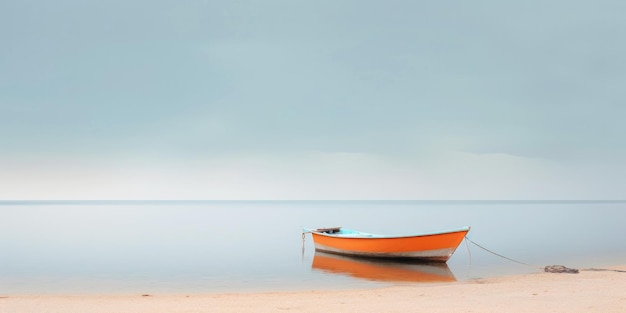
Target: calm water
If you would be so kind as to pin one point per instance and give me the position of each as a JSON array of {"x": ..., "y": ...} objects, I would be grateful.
[{"x": 215, "y": 246}]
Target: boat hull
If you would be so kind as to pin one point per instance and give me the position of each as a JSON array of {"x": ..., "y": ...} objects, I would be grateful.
[{"x": 436, "y": 247}]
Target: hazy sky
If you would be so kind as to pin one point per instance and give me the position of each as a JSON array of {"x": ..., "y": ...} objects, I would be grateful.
[{"x": 312, "y": 99}]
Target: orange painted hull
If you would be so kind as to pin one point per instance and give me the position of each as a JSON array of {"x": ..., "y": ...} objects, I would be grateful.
[
  {"x": 435, "y": 247},
  {"x": 382, "y": 271}
]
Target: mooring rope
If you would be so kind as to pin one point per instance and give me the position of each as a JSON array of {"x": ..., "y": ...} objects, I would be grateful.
[
  {"x": 550, "y": 268},
  {"x": 469, "y": 252},
  {"x": 500, "y": 255},
  {"x": 602, "y": 270},
  {"x": 303, "y": 240}
]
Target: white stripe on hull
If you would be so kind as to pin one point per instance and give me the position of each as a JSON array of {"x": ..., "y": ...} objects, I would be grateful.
[{"x": 434, "y": 255}]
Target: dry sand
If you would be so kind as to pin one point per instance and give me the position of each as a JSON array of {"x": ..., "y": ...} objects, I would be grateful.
[{"x": 589, "y": 291}]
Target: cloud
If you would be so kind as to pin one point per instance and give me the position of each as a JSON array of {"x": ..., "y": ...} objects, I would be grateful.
[
  {"x": 341, "y": 176},
  {"x": 370, "y": 82}
]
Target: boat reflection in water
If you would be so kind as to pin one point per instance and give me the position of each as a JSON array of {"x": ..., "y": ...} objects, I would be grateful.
[{"x": 382, "y": 270}]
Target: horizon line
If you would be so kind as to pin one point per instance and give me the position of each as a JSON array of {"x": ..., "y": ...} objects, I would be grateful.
[{"x": 77, "y": 201}]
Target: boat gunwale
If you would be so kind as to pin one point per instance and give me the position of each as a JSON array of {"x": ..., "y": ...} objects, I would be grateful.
[{"x": 361, "y": 235}]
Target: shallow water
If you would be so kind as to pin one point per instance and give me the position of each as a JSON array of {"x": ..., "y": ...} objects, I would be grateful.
[{"x": 223, "y": 246}]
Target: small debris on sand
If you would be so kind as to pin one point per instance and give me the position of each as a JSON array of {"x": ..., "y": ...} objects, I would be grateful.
[{"x": 560, "y": 269}]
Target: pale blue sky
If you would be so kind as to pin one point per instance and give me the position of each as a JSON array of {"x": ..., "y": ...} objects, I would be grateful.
[{"x": 312, "y": 100}]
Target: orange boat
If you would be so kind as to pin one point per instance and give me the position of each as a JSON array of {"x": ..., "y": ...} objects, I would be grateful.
[
  {"x": 382, "y": 270},
  {"x": 432, "y": 247}
]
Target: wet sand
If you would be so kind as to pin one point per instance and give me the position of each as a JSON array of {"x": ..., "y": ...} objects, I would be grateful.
[{"x": 588, "y": 291}]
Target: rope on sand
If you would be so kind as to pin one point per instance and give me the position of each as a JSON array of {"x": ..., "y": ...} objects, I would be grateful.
[{"x": 601, "y": 270}]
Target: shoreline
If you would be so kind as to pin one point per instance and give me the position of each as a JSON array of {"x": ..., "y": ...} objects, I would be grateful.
[{"x": 587, "y": 291}]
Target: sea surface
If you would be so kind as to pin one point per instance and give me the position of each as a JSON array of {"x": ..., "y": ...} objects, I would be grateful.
[{"x": 146, "y": 247}]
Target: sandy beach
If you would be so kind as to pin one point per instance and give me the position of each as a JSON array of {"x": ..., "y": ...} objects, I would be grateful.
[{"x": 588, "y": 291}]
